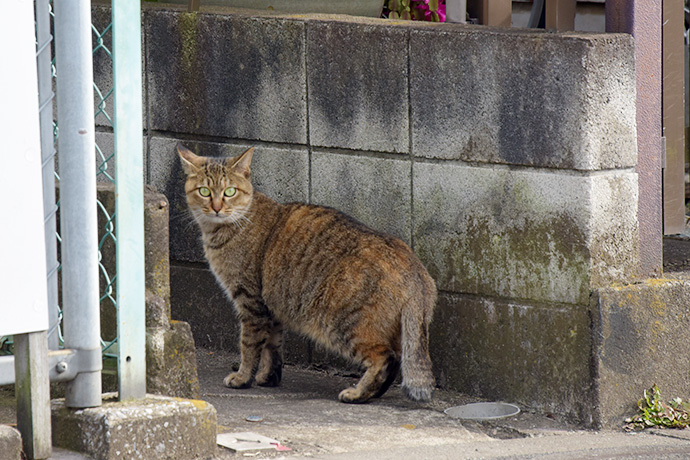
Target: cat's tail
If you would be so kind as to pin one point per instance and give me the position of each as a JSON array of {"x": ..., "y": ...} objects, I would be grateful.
[{"x": 417, "y": 377}]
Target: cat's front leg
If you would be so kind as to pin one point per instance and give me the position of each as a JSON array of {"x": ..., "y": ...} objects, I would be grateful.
[
  {"x": 253, "y": 336},
  {"x": 271, "y": 364}
]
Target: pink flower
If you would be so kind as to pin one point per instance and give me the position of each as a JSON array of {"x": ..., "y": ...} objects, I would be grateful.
[
  {"x": 418, "y": 10},
  {"x": 423, "y": 5}
]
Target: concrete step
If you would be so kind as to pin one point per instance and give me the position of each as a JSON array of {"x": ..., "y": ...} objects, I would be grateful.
[
  {"x": 10, "y": 443},
  {"x": 154, "y": 428}
]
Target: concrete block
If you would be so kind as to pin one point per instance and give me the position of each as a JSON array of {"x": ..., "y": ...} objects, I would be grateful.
[
  {"x": 10, "y": 443},
  {"x": 375, "y": 191},
  {"x": 198, "y": 299},
  {"x": 523, "y": 97},
  {"x": 641, "y": 331},
  {"x": 357, "y": 84},
  {"x": 171, "y": 361},
  {"x": 153, "y": 428},
  {"x": 280, "y": 172},
  {"x": 523, "y": 233},
  {"x": 157, "y": 259},
  {"x": 503, "y": 350},
  {"x": 226, "y": 75}
]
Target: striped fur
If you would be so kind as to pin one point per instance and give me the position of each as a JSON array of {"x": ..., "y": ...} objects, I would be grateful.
[{"x": 316, "y": 271}]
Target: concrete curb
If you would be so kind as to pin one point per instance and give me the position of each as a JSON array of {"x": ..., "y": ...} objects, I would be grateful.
[
  {"x": 10, "y": 443},
  {"x": 155, "y": 428}
]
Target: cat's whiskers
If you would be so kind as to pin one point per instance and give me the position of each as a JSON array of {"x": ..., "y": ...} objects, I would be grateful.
[{"x": 240, "y": 219}]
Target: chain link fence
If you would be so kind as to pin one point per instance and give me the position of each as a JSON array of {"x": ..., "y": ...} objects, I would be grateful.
[{"x": 105, "y": 157}]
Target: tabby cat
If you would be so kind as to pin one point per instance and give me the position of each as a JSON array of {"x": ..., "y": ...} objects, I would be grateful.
[{"x": 353, "y": 290}]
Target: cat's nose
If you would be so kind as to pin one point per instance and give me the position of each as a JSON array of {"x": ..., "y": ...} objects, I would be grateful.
[{"x": 217, "y": 206}]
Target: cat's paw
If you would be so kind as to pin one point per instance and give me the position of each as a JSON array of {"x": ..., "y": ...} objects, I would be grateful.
[
  {"x": 235, "y": 380},
  {"x": 352, "y": 396},
  {"x": 271, "y": 379}
]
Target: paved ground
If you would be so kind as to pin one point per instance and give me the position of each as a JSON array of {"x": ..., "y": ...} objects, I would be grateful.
[
  {"x": 677, "y": 254},
  {"x": 304, "y": 414}
]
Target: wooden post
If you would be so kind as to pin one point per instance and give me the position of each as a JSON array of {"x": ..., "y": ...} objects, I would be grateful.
[
  {"x": 642, "y": 19},
  {"x": 673, "y": 115},
  {"x": 193, "y": 6},
  {"x": 491, "y": 12},
  {"x": 560, "y": 14},
  {"x": 32, "y": 389}
]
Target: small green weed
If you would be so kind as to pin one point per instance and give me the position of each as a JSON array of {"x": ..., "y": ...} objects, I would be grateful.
[{"x": 655, "y": 413}]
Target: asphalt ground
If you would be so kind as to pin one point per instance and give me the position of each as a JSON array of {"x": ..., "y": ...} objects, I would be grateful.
[{"x": 303, "y": 413}]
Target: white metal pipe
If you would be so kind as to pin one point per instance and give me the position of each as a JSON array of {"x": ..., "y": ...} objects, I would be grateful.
[
  {"x": 78, "y": 219},
  {"x": 45, "y": 98}
]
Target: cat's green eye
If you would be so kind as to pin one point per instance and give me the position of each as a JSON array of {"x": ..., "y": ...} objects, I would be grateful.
[
  {"x": 204, "y": 191},
  {"x": 230, "y": 192}
]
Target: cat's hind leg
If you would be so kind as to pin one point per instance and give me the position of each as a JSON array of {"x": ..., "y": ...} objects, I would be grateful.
[
  {"x": 392, "y": 370},
  {"x": 271, "y": 364},
  {"x": 381, "y": 370}
]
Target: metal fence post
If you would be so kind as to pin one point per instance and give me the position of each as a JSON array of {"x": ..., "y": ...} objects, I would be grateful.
[
  {"x": 129, "y": 205},
  {"x": 78, "y": 222}
]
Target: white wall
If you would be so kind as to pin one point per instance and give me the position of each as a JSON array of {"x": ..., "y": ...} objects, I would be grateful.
[{"x": 23, "y": 292}]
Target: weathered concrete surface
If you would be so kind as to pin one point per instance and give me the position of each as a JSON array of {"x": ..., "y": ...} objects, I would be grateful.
[
  {"x": 376, "y": 190},
  {"x": 357, "y": 86},
  {"x": 304, "y": 414},
  {"x": 535, "y": 355},
  {"x": 170, "y": 364},
  {"x": 260, "y": 62},
  {"x": 642, "y": 335},
  {"x": 157, "y": 259},
  {"x": 524, "y": 234},
  {"x": 557, "y": 101},
  {"x": 10, "y": 443},
  {"x": 200, "y": 300},
  {"x": 154, "y": 428}
]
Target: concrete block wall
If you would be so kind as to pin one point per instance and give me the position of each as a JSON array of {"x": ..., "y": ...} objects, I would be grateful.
[{"x": 505, "y": 158}]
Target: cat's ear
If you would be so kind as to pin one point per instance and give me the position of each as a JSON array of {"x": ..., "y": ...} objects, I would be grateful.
[
  {"x": 190, "y": 162},
  {"x": 242, "y": 165}
]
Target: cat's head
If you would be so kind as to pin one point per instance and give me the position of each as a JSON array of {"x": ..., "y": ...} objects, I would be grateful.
[{"x": 218, "y": 190}]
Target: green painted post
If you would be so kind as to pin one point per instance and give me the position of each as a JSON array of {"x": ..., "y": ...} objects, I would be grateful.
[{"x": 129, "y": 204}]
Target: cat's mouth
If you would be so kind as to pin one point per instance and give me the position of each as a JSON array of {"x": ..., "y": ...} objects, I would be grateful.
[
  {"x": 214, "y": 216},
  {"x": 211, "y": 217}
]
